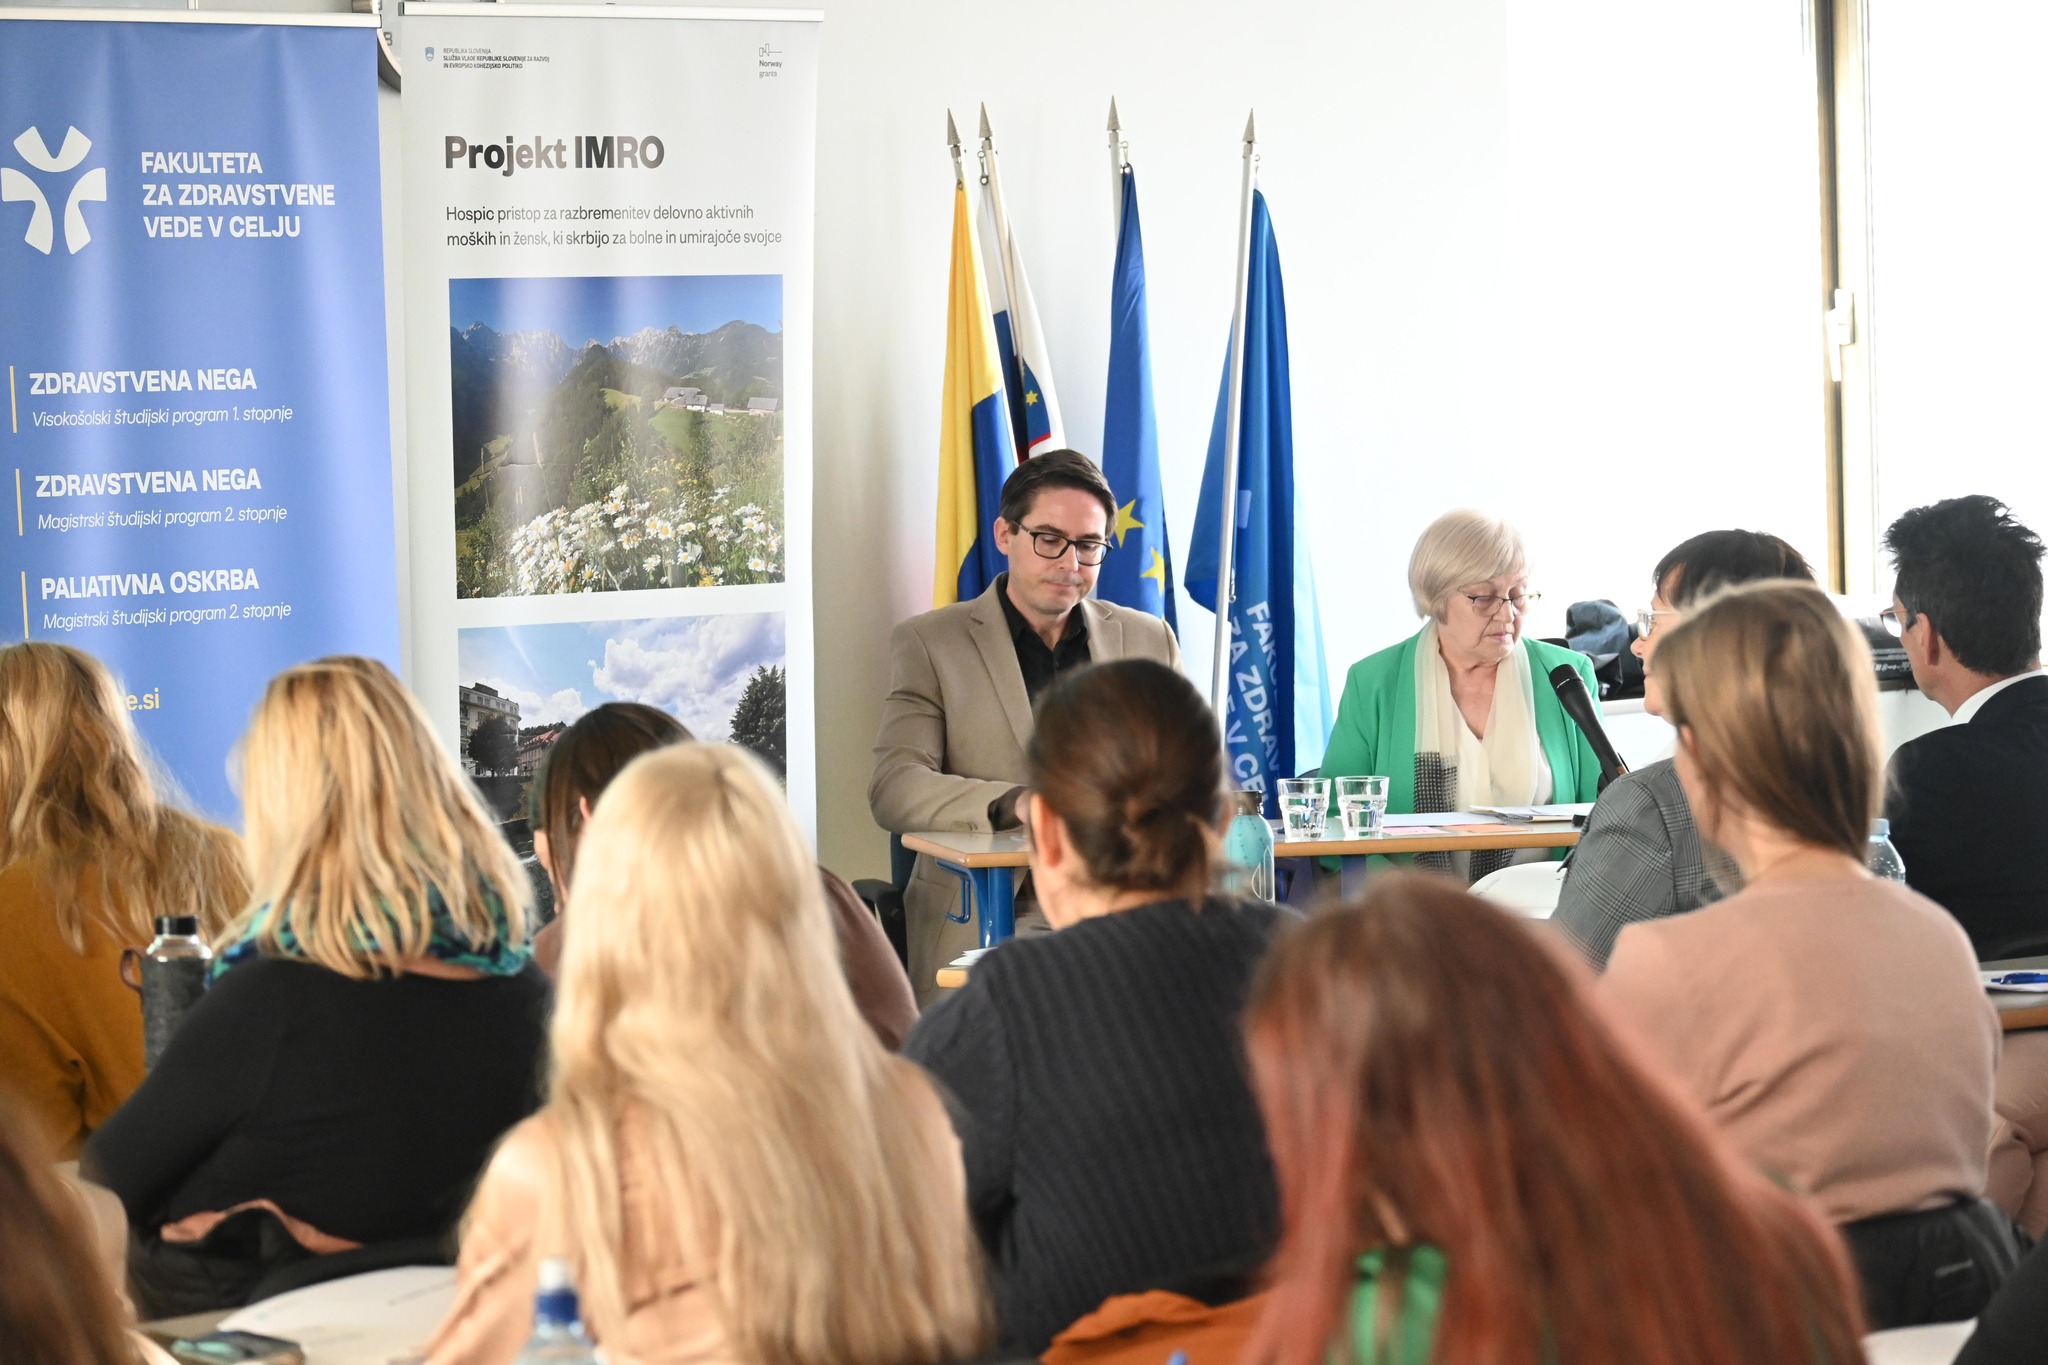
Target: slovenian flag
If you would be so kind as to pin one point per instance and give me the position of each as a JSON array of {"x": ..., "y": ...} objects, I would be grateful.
[
  {"x": 1139, "y": 572},
  {"x": 1034, "y": 407},
  {"x": 975, "y": 449},
  {"x": 1276, "y": 712}
]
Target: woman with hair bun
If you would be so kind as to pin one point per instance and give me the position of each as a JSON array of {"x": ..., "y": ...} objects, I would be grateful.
[{"x": 1111, "y": 1138}]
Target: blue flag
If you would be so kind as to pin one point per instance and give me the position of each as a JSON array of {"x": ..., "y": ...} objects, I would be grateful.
[
  {"x": 1139, "y": 572},
  {"x": 1276, "y": 710}
]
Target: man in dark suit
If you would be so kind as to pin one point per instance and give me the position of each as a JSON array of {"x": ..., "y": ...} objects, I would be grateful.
[{"x": 1968, "y": 803}]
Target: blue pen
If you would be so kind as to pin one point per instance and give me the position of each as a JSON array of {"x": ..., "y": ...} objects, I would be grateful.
[{"x": 2019, "y": 978}]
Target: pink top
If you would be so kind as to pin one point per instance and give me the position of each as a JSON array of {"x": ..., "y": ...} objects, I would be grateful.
[{"x": 1837, "y": 1031}]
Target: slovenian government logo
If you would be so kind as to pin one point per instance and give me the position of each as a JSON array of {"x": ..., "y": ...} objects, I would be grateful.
[{"x": 18, "y": 188}]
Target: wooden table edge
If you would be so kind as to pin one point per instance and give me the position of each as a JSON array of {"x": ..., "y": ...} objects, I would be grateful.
[
  {"x": 2013, "y": 1018},
  {"x": 1395, "y": 845},
  {"x": 1387, "y": 845},
  {"x": 919, "y": 843}
]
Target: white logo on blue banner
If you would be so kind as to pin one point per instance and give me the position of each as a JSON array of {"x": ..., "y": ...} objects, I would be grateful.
[
  {"x": 197, "y": 424},
  {"x": 90, "y": 185}
]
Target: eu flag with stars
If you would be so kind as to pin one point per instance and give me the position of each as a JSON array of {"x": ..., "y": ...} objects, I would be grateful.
[
  {"x": 1276, "y": 706},
  {"x": 1139, "y": 571}
]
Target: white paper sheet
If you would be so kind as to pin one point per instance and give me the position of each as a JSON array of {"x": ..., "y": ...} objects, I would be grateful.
[{"x": 368, "y": 1319}]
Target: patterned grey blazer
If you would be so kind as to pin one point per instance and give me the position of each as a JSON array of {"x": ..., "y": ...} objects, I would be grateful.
[{"x": 1640, "y": 859}]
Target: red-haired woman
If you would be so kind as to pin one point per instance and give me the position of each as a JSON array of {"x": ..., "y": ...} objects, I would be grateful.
[{"x": 1474, "y": 1169}]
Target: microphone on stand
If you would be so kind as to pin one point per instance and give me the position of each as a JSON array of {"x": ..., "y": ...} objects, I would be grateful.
[{"x": 1578, "y": 704}]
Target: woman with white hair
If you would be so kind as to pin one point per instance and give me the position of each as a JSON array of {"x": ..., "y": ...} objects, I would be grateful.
[{"x": 1462, "y": 712}]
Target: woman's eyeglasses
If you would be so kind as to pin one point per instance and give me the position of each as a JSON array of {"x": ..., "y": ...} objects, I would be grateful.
[
  {"x": 1487, "y": 603},
  {"x": 1646, "y": 622}
]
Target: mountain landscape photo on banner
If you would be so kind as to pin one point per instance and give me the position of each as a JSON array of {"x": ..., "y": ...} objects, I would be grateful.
[{"x": 613, "y": 433}]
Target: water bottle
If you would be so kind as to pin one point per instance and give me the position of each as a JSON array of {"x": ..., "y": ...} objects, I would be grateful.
[
  {"x": 1883, "y": 856},
  {"x": 173, "y": 972},
  {"x": 558, "y": 1336},
  {"x": 1248, "y": 849}
]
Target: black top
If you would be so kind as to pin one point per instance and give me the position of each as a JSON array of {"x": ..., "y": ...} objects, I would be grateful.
[
  {"x": 1043, "y": 664},
  {"x": 1098, "y": 1084},
  {"x": 2013, "y": 1328},
  {"x": 1968, "y": 806},
  {"x": 365, "y": 1108}
]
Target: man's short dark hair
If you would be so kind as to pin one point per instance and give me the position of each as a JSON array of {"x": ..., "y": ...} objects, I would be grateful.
[
  {"x": 1975, "y": 573},
  {"x": 1722, "y": 559},
  {"x": 1054, "y": 469}
]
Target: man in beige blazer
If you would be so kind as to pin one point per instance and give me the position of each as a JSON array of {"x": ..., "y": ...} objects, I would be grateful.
[{"x": 965, "y": 677}]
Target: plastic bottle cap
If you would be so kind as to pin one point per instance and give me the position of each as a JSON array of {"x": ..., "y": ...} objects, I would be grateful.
[
  {"x": 1881, "y": 829},
  {"x": 554, "y": 1275},
  {"x": 178, "y": 926}
]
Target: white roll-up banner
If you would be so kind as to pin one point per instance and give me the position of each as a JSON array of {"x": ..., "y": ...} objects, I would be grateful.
[{"x": 608, "y": 282}]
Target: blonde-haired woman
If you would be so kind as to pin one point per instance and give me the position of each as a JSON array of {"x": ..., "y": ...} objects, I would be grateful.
[
  {"x": 1830, "y": 1021},
  {"x": 733, "y": 1166},
  {"x": 375, "y": 1024},
  {"x": 89, "y": 856},
  {"x": 1462, "y": 713}
]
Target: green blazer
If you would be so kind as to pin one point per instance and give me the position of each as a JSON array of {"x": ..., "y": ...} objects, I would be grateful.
[{"x": 1375, "y": 731}]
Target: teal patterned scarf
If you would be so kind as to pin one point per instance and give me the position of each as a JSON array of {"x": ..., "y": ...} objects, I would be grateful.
[{"x": 502, "y": 957}]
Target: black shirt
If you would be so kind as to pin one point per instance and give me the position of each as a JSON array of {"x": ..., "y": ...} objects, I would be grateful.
[
  {"x": 1098, "y": 1084},
  {"x": 365, "y": 1108},
  {"x": 1042, "y": 664}
]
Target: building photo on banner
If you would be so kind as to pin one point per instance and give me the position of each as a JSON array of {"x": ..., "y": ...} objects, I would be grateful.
[
  {"x": 608, "y": 376},
  {"x": 193, "y": 330}
]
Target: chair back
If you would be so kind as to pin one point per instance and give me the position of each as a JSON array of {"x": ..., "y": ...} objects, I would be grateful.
[{"x": 1526, "y": 889}]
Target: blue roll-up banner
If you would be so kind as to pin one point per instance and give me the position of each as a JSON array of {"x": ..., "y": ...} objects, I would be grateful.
[{"x": 197, "y": 426}]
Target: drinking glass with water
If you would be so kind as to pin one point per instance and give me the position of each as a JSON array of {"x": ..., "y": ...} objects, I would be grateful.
[
  {"x": 1362, "y": 805},
  {"x": 1304, "y": 806}
]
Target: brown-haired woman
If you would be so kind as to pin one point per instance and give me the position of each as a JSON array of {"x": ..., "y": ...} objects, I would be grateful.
[
  {"x": 90, "y": 855},
  {"x": 583, "y": 763},
  {"x": 1831, "y": 1022},
  {"x": 1111, "y": 1139},
  {"x": 1473, "y": 1168},
  {"x": 56, "y": 1301}
]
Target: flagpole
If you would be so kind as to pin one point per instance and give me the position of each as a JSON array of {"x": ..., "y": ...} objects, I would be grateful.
[
  {"x": 1225, "y": 570},
  {"x": 993, "y": 187},
  {"x": 953, "y": 140},
  {"x": 1116, "y": 174}
]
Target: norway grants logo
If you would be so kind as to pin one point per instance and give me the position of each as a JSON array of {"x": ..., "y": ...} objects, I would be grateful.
[{"x": 18, "y": 188}]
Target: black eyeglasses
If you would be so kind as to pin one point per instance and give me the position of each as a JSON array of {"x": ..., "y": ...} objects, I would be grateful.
[
  {"x": 1053, "y": 545},
  {"x": 1889, "y": 618}
]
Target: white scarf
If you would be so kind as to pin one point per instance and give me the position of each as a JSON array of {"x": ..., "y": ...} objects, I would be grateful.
[{"x": 1456, "y": 769}]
